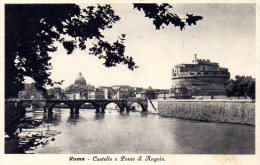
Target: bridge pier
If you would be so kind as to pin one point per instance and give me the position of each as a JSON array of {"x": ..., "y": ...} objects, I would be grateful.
[
  {"x": 71, "y": 110},
  {"x": 76, "y": 111},
  {"x": 100, "y": 109},
  {"x": 44, "y": 110},
  {"x": 121, "y": 110},
  {"x": 49, "y": 110},
  {"x": 97, "y": 110},
  {"x": 127, "y": 109},
  {"x": 103, "y": 109},
  {"x": 121, "y": 107}
]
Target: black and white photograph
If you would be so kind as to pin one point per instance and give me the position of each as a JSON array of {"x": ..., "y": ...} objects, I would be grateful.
[{"x": 130, "y": 82}]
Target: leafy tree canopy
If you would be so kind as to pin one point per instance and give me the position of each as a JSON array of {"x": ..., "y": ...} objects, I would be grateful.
[
  {"x": 161, "y": 16},
  {"x": 31, "y": 30},
  {"x": 242, "y": 86}
]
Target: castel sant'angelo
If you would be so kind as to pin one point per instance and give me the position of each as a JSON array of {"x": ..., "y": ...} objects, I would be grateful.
[{"x": 202, "y": 78}]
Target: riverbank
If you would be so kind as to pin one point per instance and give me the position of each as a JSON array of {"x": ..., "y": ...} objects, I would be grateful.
[
  {"x": 225, "y": 111},
  {"x": 33, "y": 131}
]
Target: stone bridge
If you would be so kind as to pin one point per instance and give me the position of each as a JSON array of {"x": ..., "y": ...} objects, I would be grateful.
[
  {"x": 98, "y": 104},
  {"x": 15, "y": 109}
]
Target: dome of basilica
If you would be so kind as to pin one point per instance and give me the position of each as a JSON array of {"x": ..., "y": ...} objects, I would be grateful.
[{"x": 80, "y": 80}]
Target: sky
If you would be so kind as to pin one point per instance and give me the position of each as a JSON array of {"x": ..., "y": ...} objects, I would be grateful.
[{"x": 225, "y": 35}]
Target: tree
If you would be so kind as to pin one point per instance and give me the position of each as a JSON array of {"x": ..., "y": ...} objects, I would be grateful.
[
  {"x": 230, "y": 88},
  {"x": 242, "y": 86},
  {"x": 162, "y": 17},
  {"x": 251, "y": 90},
  {"x": 31, "y": 31}
]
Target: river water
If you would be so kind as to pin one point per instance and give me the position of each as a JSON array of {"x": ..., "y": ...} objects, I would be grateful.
[{"x": 112, "y": 133}]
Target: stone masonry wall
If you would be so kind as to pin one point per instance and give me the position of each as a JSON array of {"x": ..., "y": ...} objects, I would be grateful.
[
  {"x": 216, "y": 111},
  {"x": 202, "y": 86}
]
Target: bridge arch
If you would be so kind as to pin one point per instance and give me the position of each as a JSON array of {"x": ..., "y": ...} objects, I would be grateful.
[
  {"x": 78, "y": 105},
  {"x": 99, "y": 104},
  {"x": 74, "y": 105},
  {"x": 118, "y": 104},
  {"x": 59, "y": 102},
  {"x": 143, "y": 105},
  {"x": 85, "y": 102},
  {"x": 95, "y": 105}
]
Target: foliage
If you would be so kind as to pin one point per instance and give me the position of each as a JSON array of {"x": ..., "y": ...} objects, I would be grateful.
[
  {"x": 250, "y": 91},
  {"x": 242, "y": 86},
  {"x": 32, "y": 30},
  {"x": 161, "y": 16}
]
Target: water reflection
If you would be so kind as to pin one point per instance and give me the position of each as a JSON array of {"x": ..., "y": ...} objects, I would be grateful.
[
  {"x": 51, "y": 118},
  {"x": 48, "y": 118},
  {"x": 99, "y": 116},
  {"x": 73, "y": 118},
  {"x": 113, "y": 132}
]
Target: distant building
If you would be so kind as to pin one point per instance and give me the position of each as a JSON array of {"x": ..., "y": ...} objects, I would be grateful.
[
  {"x": 96, "y": 94},
  {"x": 150, "y": 93},
  {"x": 80, "y": 80},
  {"x": 30, "y": 92},
  {"x": 154, "y": 94},
  {"x": 139, "y": 93},
  {"x": 56, "y": 93},
  {"x": 162, "y": 94},
  {"x": 202, "y": 78},
  {"x": 78, "y": 90},
  {"x": 123, "y": 92},
  {"x": 108, "y": 92},
  {"x": 73, "y": 96}
]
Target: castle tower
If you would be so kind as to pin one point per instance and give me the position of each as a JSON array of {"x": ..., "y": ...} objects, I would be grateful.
[{"x": 202, "y": 78}]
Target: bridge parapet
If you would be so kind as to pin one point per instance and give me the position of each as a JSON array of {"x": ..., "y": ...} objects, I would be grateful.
[{"x": 99, "y": 104}]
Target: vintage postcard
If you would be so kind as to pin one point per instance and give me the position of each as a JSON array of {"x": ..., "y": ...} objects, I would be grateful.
[{"x": 134, "y": 82}]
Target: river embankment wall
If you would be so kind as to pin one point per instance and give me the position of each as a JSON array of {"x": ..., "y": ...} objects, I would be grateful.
[
  {"x": 13, "y": 112},
  {"x": 240, "y": 112}
]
